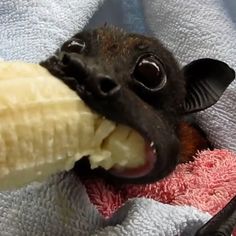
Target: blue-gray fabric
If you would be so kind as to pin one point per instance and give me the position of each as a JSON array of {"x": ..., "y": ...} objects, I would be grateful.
[
  {"x": 32, "y": 30},
  {"x": 195, "y": 29}
]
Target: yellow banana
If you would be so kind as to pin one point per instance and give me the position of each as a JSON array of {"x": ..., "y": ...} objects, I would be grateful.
[{"x": 45, "y": 128}]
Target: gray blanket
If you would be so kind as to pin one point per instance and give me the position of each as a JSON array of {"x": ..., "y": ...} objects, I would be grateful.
[{"x": 31, "y": 30}]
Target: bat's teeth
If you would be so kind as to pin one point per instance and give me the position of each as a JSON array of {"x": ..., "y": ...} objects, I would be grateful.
[{"x": 152, "y": 146}]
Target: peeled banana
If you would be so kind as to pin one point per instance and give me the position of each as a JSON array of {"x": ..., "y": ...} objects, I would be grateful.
[{"x": 45, "y": 128}]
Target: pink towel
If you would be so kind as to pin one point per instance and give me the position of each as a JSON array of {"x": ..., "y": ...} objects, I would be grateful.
[{"x": 207, "y": 183}]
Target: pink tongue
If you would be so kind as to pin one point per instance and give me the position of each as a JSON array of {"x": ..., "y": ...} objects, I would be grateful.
[{"x": 138, "y": 171}]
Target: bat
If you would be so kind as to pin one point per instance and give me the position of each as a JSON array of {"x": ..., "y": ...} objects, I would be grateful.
[{"x": 134, "y": 80}]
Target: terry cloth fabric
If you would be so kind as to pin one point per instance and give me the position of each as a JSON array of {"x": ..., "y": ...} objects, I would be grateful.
[
  {"x": 61, "y": 207},
  {"x": 30, "y": 31},
  {"x": 208, "y": 183},
  {"x": 195, "y": 29}
]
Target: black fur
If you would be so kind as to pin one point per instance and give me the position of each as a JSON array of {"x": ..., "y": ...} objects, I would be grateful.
[{"x": 100, "y": 65}]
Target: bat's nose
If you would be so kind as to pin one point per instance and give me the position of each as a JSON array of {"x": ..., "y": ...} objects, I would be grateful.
[
  {"x": 89, "y": 76},
  {"x": 106, "y": 86}
]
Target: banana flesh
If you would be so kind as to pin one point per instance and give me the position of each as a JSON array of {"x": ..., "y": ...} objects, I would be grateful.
[{"x": 45, "y": 128}]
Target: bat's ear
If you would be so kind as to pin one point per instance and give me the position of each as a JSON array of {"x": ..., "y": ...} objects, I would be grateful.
[{"x": 206, "y": 80}]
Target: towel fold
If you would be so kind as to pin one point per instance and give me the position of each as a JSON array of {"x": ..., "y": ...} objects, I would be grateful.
[
  {"x": 208, "y": 183},
  {"x": 61, "y": 206},
  {"x": 147, "y": 217},
  {"x": 57, "y": 207}
]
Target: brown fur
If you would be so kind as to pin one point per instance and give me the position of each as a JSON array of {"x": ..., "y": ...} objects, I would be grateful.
[
  {"x": 113, "y": 44},
  {"x": 192, "y": 140}
]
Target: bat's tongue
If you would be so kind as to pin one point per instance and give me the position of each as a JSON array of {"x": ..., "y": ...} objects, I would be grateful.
[{"x": 150, "y": 159}]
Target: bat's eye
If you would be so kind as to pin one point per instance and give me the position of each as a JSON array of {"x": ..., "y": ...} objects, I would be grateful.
[
  {"x": 73, "y": 45},
  {"x": 149, "y": 73}
]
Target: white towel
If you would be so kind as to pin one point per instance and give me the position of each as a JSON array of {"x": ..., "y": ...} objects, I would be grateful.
[
  {"x": 201, "y": 28},
  {"x": 30, "y": 31}
]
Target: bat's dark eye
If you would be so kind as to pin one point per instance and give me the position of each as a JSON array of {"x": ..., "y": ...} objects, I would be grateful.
[
  {"x": 73, "y": 45},
  {"x": 149, "y": 73}
]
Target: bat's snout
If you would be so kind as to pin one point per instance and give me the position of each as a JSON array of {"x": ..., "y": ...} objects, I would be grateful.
[{"x": 89, "y": 78}]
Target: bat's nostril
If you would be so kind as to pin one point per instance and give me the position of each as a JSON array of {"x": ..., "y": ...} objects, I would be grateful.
[
  {"x": 73, "y": 66},
  {"x": 65, "y": 59},
  {"x": 107, "y": 86}
]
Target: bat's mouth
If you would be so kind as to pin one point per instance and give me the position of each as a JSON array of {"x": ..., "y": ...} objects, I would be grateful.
[{"x": 150, "y": 157}]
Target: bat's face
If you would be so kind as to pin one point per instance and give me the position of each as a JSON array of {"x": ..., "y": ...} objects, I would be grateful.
[{"x": 133, "y": 80}]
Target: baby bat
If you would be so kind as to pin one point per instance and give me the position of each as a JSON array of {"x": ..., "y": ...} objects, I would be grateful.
[{"x": 134, "y": 80}]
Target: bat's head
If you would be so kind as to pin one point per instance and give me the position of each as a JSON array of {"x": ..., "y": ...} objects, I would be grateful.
[{"x": 134, "y": 80}]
